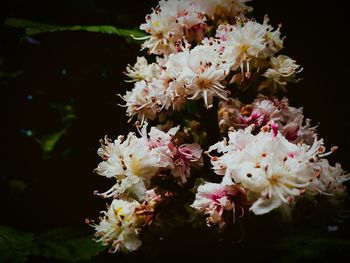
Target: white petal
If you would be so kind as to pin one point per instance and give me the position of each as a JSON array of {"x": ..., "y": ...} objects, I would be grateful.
[
  {"x": 264, "y": 205},
  {"x": 139, "y": 190}
]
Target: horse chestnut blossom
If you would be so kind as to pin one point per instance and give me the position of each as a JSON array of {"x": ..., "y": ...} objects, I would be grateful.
[
  {"x": 283, "y": 70},
  {"x": 219, "y": 201},
  {"x": 119, "y": 226},
  {"x": 142, "y": 101},
  {"x": 187, "y": 155},
  {"x": 168, "y": 23},
  {"x": 329, "y": 180},
  {"x": 198, "y": 73},
  {"x": 234, "y": 55},
  {"x": 133, "y": 161},
  {"x": 263, "y": 111},
  {"x": 173, "y": 21},
  {"x": 272, "y": 170},
  {"x": 209, "y": 50},
  {"x": 142, "y": 70},
  {"x": 124, "y": 220},
  {"x": 248, "y": 41}
]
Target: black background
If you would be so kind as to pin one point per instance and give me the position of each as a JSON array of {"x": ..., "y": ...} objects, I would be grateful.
[{"x": 59, "y": 191}]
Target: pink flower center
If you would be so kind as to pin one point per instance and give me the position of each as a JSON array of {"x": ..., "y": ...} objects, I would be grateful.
[{"x": 218, "y": 195}]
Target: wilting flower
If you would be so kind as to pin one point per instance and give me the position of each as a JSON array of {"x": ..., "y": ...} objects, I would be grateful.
[
  {"x": 329, "y": 179},
  {"x": 119, "y": 226},
  {"x": 142, "y": 70},
  {"x": 187, "y": 155},
  {"x": 219, "y": 201},
  {"x": 283, "y": 69},
  {"x": 263, "y": 111},
  {"x": 160, "y": 144}
]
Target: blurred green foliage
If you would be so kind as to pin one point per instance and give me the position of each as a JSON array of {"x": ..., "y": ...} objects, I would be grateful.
[
  {"x": 68, "y": 244},
  {"x": 33, "y": 28},
  {"x": 48, "y": 141},
  {"x": 15, "y": 246}
]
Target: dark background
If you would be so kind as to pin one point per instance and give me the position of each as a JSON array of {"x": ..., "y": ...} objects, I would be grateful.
[{"x": 81, "y": 73}]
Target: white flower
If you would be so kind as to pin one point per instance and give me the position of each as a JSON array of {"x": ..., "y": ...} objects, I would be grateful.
[
  {"x": 206, "y": 73},
  {"x": 197, "y": 73},
  {"x": 119, "y": 226},
  {"x": 142, "y": 101},
  {"x": 191, "y": 18},
  {"x": 267, "y": 165},
  {"x": 142, "y": 70},
  {"x": 164, "y": 31},
  {"x": 179, "y": 159},
  {"x": 161, "y": 145},
  {"x": 216, "y": 200},
  {"x": 130, "y": 162},
  {"x": 174, "y": 96},
  {"x": 170, "y": 22},
  {"x": 283, "y": 69},
  {"x": 247, "y": 41},
  {"x": 238, "y": 140},
  {"x": 329, "y": 179},
  {"x": 134, "y": 161}
]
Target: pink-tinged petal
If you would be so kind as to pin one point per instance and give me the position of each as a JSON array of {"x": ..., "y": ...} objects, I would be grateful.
[
  {"x": 191, "y": 152},
  {"x": 274, "y": 128},
  {"x": 217, "y": 201}
]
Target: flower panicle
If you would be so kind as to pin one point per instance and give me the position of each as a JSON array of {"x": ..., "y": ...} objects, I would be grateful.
[{"x": 271, "y": 157}]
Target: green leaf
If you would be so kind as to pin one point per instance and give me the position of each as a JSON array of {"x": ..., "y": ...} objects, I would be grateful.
[
  {"x": 15, "y": 245},
  {"x": 33, "y": 28},
  {"x": 49, "y": 141},
  {"x": 71, "y": 244}
]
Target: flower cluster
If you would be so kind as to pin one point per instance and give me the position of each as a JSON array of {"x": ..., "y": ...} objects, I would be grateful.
[
  {"x": 174, "y": 21},
  {"x": 271, "y": 170},
  {"x": 124, "y": 220},
  {"x": 241, "y": 55},
  {"x": 272, "y": 158},
  {"x": 264, "y": 111},
  {"x": 133, "y": 162}
]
